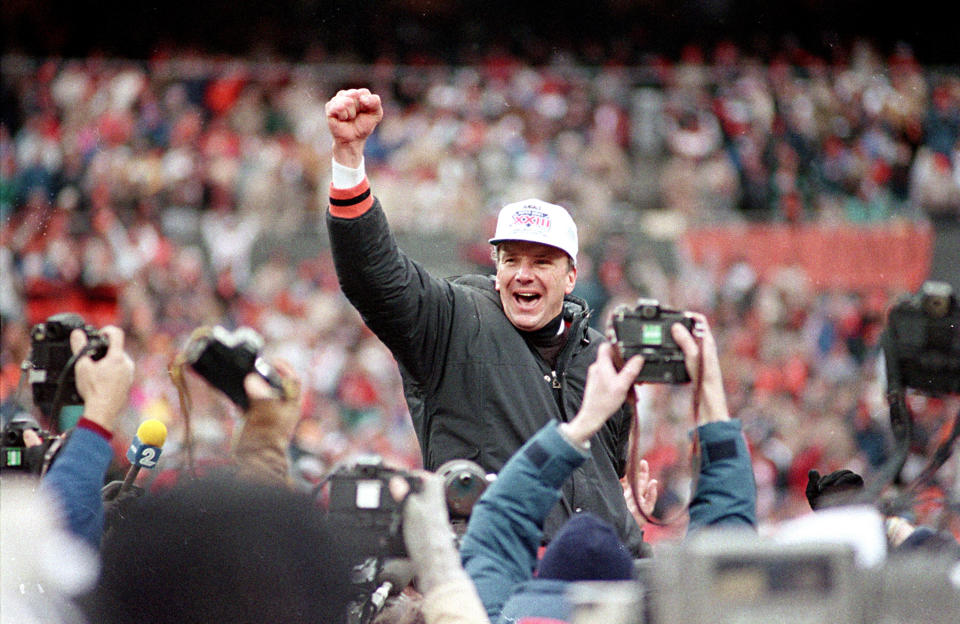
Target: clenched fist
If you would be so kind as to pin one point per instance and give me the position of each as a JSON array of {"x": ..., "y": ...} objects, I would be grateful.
[{"x": 352, "y": 115}]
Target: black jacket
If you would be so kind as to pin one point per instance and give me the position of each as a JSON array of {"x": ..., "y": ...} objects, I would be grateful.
[{"x": 474, "y": 387}]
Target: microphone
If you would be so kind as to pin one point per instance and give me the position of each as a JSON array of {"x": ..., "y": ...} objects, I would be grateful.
[{"x": 145, "y": 450}]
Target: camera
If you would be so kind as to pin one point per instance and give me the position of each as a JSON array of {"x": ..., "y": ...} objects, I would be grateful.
[
  {"x": 924, "y": 337},
  {"x": 369, "y": 521},
  {"x": 15, "y": 455},
  {"x": 50, "y": 353},
  {"x": 360, "y": 501},
  {"x": 464, "y": 481},
  {"x": 644, "y": 329},
  {"x": 225, "y": 358},
  {"x": 359, "y": 498}
]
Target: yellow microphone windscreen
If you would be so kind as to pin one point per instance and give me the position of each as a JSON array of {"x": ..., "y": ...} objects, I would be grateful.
[{"x": 152, "y": 432}]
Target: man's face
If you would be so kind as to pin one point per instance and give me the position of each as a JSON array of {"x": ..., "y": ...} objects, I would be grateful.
[{"x": 532, "y": 280}]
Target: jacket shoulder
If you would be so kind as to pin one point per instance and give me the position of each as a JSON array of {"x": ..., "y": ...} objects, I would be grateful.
[
  {"x": 480, "y": 282},
  {"x": 481, "y": 285}
]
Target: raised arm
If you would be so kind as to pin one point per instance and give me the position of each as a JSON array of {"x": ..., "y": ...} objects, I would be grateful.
[
  {"x": 449, "y": 597},
  {"x": 726, "y": 493},
  {"x": 268, "y": 426},
  {"x": 77, "y": 474},
  {"x": 400, "y": 302},
  {"x": 499, "y": 549}
]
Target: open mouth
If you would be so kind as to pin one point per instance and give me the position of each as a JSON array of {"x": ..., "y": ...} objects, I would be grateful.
[{"x": 526, "y": 299}]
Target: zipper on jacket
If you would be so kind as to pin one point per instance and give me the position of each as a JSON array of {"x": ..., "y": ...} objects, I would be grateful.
[{"x": 556, "y": 382}]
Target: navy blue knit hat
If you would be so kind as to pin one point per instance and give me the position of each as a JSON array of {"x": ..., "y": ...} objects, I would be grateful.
[{"x": 586, "y": 549}]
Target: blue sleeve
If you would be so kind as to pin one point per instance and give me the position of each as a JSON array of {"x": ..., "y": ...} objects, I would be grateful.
[
  {"x": 75, "y": 480},
  {"x": 499, "y": 549},
  {"x": 726, "y": 493}
]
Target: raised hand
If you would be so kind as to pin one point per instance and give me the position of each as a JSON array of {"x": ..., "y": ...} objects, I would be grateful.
[
  {"x": 647, "y": 493},
  {"x": 604, "y": 394},
  {"x": 104, "y": 384},
  {"x": 713, "y": 401},
  {"x": 352, "y": 115}
]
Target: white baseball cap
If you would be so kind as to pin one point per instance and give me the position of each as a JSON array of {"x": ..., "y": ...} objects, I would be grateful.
[{"x": 536, "y": 221}]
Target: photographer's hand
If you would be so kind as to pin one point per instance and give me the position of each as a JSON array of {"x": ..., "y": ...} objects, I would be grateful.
[
  {"x": 31, "y": 438},
  {"x": 427, "y": 532},
  {"x": 77, "y": 474},
  {"x": 605, "y": 392},
  {"x": 646, "y": 493},
  {"x": 269, "y": 424},
  {"x": 104, "y": 384},
  {"x": 352, "y": 115},
  {"x": 713, "y": 401}
]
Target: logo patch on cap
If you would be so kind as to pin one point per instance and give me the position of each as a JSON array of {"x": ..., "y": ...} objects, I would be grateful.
[{"x": 531, "y": 217}]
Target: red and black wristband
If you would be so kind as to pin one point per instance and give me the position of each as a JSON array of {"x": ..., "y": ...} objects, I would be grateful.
[{"x": 351, "y": 202}]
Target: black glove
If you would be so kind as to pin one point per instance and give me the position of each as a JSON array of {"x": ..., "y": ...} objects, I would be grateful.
[{"x": 833, "y": 489}]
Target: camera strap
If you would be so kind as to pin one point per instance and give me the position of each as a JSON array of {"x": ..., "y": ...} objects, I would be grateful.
[
  {"x": 175, "y": 370},
  {"x": 940, "y": 456},
  {"x": 901, "y": 425},
  {"x": 25, "y": 366},
  {"x": 57, "y": 403},
  {"x": 915, "y": 488},
  {"x": 633, "y": 452}
]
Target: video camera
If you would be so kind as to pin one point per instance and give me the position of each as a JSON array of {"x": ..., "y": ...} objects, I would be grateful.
[
  {"x": 369, "y": 520},
  {"x": 50, "y": 366},
  {"x": 359, "y": 499},
  {"x": 924, "y": 339},
  {"x": 644, "y": 329},
  {"x": 15, "y": 454},
  {"x": 225, "y": 358}
]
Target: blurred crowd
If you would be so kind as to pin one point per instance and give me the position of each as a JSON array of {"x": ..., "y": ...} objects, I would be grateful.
[{"x": 153, "y": 195}]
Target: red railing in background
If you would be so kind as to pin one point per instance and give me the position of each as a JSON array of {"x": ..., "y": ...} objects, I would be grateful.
[
  {"x": 893, "y": 255},
  {"x": 97, "y": 305}
]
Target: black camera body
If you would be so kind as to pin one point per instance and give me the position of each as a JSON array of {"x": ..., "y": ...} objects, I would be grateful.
[
  {"x": 360, "y": 503},
  {"x": 924, "y": 337},
  {"x": 225, "y": 358},
  {"x": 644, "y": 329},
  {"x": 50, "y": 353}
]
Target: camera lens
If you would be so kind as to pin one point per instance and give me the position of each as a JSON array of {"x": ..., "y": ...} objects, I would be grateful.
[{"x": 936, "y": 306}]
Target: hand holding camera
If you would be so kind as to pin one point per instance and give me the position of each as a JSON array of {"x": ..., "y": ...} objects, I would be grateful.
[
  {"x": 104, "y": 384},
  {"x": 52, "y": 360},
  {"x": 670, "y": 342},
  {"x": 225, "y": 359},
  {"x": 266, "y": 400},
  {"x": 269, "y": 424},
  {"x": 427, "y": 533},
  {"x": 711, "y": 402}
]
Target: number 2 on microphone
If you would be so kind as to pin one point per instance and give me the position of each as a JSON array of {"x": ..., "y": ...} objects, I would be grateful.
[{"x": 149, "y": 458}]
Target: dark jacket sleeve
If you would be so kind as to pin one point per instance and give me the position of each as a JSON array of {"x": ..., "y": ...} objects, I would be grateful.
[
  {"x": 726, "y": 493},
  {"x": 499, "y": 550},
  {"x": 75, "y": 479},
  {"x": 621, "y": 421},
  {"x": 399, "y": 300}
]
